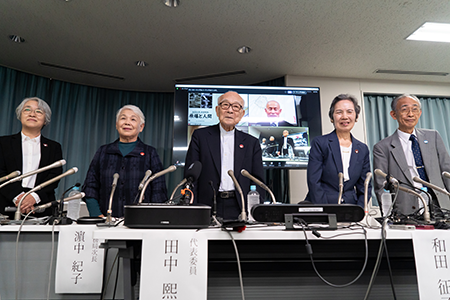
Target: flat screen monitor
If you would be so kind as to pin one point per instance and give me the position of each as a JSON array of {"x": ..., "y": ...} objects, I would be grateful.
[{"x": 283, "y": 119}]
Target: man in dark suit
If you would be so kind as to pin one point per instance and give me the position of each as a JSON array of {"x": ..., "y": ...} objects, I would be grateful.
[
  {"x": 221, "y": 148},
  {"x": 285, "y": 142},
  {"x": 394, "y": 155},
  {"x": 27, "y": 151}
]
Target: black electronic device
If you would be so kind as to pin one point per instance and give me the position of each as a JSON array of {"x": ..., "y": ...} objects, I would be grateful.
[
  {"x": 298, "y": 114},
  {"x": 314, "y": 213},
  {"x": 167, "y": 216}
]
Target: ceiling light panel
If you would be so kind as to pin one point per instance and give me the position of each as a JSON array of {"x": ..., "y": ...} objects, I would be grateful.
[{"x": 432, "y": 32}]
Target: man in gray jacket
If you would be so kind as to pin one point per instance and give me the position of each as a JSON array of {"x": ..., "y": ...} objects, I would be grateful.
[{"x": 411, "y": 152}]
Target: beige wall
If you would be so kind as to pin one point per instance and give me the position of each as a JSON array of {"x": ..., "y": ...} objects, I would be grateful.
[{"x": 331, "y": 87}]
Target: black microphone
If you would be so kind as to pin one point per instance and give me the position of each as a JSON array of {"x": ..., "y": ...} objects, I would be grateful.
[
  {"x": 214, "y": 219},
  {"x": 258, "y": 182},
  {"x": 9, "y": 176},
  {"x": 243, "y": 215},
  {"x": 41, "y": 208},
  {"x": 389, "y": 178},
  {"x": 113, "y": 189},
  {"x": 193, "y": 172},
  {"x": 75, "y": 185}
]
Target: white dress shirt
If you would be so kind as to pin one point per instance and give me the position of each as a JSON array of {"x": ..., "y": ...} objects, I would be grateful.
[
  {"x": 346, "y": 153},
  {"x": 31, "y": 156},
  {"x": 227, "y": 158}
]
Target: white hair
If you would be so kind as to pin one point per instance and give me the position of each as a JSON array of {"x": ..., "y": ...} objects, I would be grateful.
[{"x": 133, "y": 108}]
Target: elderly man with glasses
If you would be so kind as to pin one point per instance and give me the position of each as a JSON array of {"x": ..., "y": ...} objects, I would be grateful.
[
  {"x": 221, "y": 148},
  {"x": 411, "y": 152}
]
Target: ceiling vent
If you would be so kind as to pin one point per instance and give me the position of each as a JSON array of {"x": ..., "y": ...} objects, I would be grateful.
[
  {"x": 210, "y": 76},
  {"x": 80, "y": 71},
  {"x": 402, "y": 72}
]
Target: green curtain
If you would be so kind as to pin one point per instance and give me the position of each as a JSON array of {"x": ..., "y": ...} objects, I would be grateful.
[
  {"x": 379, "y": 123},
  {"x": 83, "y": 117}
]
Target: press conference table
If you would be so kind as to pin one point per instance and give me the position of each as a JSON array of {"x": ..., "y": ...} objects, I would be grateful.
[{"x": 274, "y": 262}]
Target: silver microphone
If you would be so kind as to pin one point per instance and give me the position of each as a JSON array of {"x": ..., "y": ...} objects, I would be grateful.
[
  {"x": 153, "y": 177},
  {"x": 39, "y": 187},
  {"x": 243, "y": 215},
  {"x": 69, "y": 172},
  {"x": 56, "y": 164},
  {"x": 426, "y": 213},
  {"x": 147, "y": 175},
  {"x": 366, "y": 191},
  {"x": 9, "y": 176},
  {"x": 41, "y": 208},
  {"x": 389, "y": 178},
  {"x": 113, "y": 189},
  {"x": 446, "y": 174},
  {"x": 341, "y": 186},
  {"x": 258, "y": 182},
  {"x": 430, "y": 185}
]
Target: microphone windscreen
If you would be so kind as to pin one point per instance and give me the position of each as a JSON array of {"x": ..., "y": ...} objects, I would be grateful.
[{"x": 194, "y": 171}]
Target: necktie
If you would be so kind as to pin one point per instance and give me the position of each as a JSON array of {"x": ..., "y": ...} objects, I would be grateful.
[
  {"x": 418, "y": 157},
  {"x": 273, "y": 124}
]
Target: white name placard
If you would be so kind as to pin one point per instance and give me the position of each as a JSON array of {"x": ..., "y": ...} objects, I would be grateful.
[
  {"x": 174, "y": 265},
  {"x": 432, "y": 257},
  {"x": 79, "y": 265}
]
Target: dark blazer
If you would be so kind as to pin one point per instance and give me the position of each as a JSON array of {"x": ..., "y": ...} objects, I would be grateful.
[
  {"x": 11, "y": 160},
  {"x": 290, "y": 141},
  {"x": 325, "y": 163},
  {"x": 205, "y": 147},
  {"x": 388, "y": 156}
]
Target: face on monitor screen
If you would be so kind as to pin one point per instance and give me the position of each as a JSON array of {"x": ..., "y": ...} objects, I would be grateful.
[{"x": 283, "y": 119}]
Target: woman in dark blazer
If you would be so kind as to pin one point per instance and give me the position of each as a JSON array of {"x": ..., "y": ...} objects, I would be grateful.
[
  {"x": 27, "y": 151},
  {"x": 339, "y": 152}
]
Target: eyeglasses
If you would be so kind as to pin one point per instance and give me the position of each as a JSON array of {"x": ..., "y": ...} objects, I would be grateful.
[
  {"x": 405, "y": 110},
  {"x": 226, "y": 106},
  {"x": 37, "y": 111}
]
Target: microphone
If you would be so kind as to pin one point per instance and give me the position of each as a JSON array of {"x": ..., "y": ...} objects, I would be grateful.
[
  {"x": 41, "y": 208},
  {"x": 113, "y": 189},
  {"x": 366, "y": 192},
  {"x": 395, "y": 183},
  {"x": 214, "y": 220},
  {"x": 430, "y": 185},
  {"x": 147, "y": 175},
  {"x": 39, "y": 187},
  {"x": 258, "y": 182},
  {"x": 446, "y": 174},
  {"x": 243, "y": 215},
  {"x": 192, "y": 174},
  {"x": 9, "y": 176},
  {"x": 341, "y": 186},
  {"x": 388, "y": 177},
  {"x": 153, "y": 177},
  {"x": 56, "y": 164}
]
